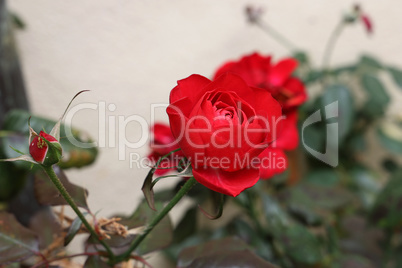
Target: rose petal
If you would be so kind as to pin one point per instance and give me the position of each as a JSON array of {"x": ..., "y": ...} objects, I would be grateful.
[
  {"x": 190, "y": 87},
  {"x": 281, "y": 71},
  {"x": 229, "y": 183},
  {"x": 288, "y": 136},
  {"x": 273, "y": 161}
]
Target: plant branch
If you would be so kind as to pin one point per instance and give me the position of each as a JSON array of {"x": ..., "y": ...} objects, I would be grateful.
[
  {"x": 276, "y": 35},
  {"x": 182, "y": 192},
  {"x": 329, "y": 47},
  {"x": 52, "y": 175},
  {"x": 66, "y": 257}
]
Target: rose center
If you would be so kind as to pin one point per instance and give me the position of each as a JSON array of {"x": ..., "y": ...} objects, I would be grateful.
[
  {"x": 41, "y": 143},
  {"x": 228, "y": 106}
]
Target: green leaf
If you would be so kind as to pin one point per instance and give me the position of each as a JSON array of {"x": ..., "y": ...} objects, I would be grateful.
[
  {"x": 366, "y": 184},
  {"x": 227, "y": 252},
  {"x": 357, "y": 142},
  {"x": 300, "y": 245},
  {"x": 396, "y": 74},
  {"x": 304, "y": 214},
  {"x": 345, "y": 69},
  {"x": 12, "y": 179},
  {"x": 387, "y": 209},
  {"x": 187, "y": 226},
  {"x": 354, "y": 261},
  {"x": 46, "y": 227},
  {"x": 323, "y": 177},
  {"x": 240, "y": 228},
  {"x": 368, "y": 63},
  {"x": 218, "y": 200},
  {"x": 360, "y": 237},
  {"x": 346, "y": 112},
  {"x": 274, "y": 213},
  {"x": 160, "y": 237},
  {"x": 313, "y": 76},
  {"x": 47, "y": 194},
  {"x": 315, "y": 136},
  {"x": 301, "y": 57},
  {"x": 16, "y": 242},
  {"x": 377, "y": 96},
  {"x": 389, "y": 164},
  {"x": 389, "y": 135},
  {"x": 72, "y": 231},
  {"x": 17, "y": 21},
  {"x": 174, "y": 249},
  {"x": 147, "y": 189},
  {"x": 73, "y": 156},
  {"x": 319, "y": 196},
  {"x": 95, "y": 262},
  {"x": 13, "y": 142}
]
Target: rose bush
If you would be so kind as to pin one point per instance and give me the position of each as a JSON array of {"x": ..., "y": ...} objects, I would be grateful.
[
  {"x": 258, "y": 71},
  {"x": 222, "y": 126}
]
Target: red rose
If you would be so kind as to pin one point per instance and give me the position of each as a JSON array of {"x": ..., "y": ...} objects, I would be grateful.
[
  {"x": 258, "y": 71},
  {"x": 162, "y": 143},
  {"x": 222, "y": 126}
]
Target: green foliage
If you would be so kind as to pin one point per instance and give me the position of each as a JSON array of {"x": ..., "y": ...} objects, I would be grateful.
[
  {"x": 16, "y": 242},
  {"x": 47, "y": 194},
  {"x": 387, "y": 209},
  {"x": 72, "y": 231},
  {"x": 95, "y": 262},
  {"x": 346, "y": 109},
  {"x": 377, "y": 97},
  {"x": 390, "y": 137},
  {"x": 300, "y": 245},
  {"x": 396, "y": 74},
  {"x": 228, "y": 252},
  {"x": 16, "y": 124},
  {"x": 14, "y": 136}
]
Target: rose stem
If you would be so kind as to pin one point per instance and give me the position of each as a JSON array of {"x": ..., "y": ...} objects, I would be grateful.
[
  {"x": 329, "y": 47},
  {"x": 276, "y": 35},
  {"x": 182, "y": 192},
  {"x": 52, "y": 175}
]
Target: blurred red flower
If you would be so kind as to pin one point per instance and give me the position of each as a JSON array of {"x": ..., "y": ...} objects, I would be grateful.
[
  {"x": 162, "y": 143},
  {"x": 277, "y": 79}
]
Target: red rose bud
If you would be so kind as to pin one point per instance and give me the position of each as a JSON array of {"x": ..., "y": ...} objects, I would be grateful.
[
  {"x": 45, "y": 149},
  {"x": 367, "y": 23}
]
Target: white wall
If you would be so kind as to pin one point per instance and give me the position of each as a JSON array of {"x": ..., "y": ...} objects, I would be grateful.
[{"x": 130, "y": 53}]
